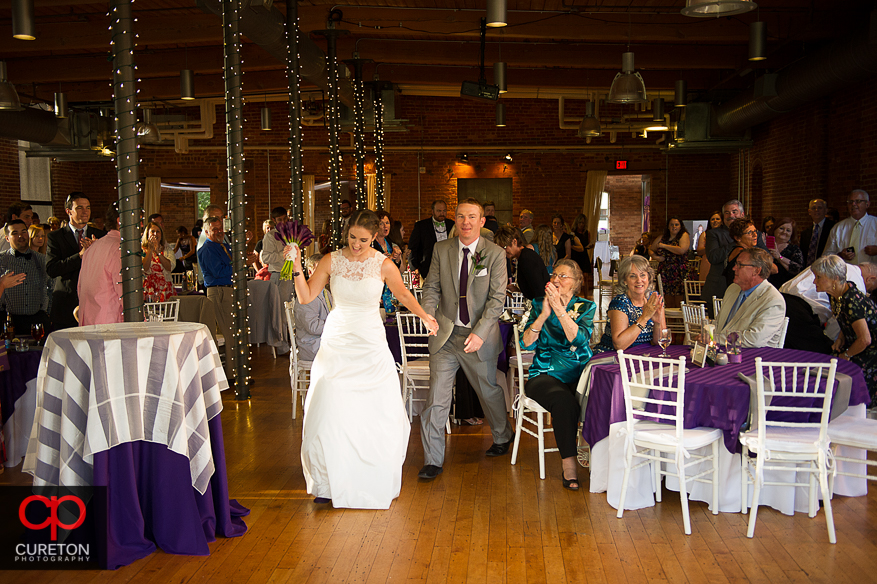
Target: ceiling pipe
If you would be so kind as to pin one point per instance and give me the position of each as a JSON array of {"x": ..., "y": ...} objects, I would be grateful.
[
  {"x": 827, "y": 70},
  {"x": 266, "y": 28}
]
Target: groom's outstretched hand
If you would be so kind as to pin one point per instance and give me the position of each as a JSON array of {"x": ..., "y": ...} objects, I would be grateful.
[{"x": 473, "y": 343}]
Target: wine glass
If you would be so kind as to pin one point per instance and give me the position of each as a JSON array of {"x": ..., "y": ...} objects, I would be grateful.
[
  {"x": 38, "y": 332},
  {"x": 664, "y": 341}
]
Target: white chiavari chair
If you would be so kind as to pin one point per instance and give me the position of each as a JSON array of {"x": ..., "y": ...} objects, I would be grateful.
[{"x": 167, "y": 311}]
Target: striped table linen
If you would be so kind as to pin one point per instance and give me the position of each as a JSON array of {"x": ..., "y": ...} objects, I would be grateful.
[{"x": 104, "y": 385}]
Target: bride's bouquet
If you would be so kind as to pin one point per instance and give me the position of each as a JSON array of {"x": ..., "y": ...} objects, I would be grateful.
[{"x": 292, "y": 233}]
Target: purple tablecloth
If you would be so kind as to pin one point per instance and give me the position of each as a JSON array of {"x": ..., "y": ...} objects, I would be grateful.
[
  {"x": 714, "y": 396},
  {"x": 502, "y": 362},
  {"x": 22, "y": 368},
  {"x": 151, "y": 501}
]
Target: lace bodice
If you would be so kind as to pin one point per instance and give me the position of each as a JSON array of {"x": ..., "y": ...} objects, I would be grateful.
[
  {"x": 370, "y": 268},
  {"x": 357, "y": 284}
]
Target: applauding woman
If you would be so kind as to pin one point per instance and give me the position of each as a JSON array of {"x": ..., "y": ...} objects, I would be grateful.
[
  {"x": 559, "y": 327},
  {"x": 636, "y": 313}
]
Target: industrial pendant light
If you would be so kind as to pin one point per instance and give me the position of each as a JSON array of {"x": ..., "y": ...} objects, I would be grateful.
[
  {"x": 8, "y": 96},
  {"x": 681, "y": 97},
  {"x": 500, "y": 114},
  {"x": 266, "y": 115},
  {"x": 628, "y": 85},
  {"x": 499, "y": 69},
  {"x": 657, "y": 116},
  {"x": 187, "y": 84},
  {"x": 147, "y": 132},
  {"x": 496, "y": 13},
  {"x": 23, "y": 27},
  {"x": 717, "y": 7},
  {"x": 757, "y": 41},
  {"x": 60, "y": 105},
  {"x": 590, "y": 126}
]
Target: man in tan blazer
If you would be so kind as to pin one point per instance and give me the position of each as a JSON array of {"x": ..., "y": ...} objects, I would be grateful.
[
  {"x": 752, "y": 307},
  {"x": 465, "y": 290}
]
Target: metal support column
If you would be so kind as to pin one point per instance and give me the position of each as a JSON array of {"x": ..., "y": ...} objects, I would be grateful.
[
  {"x": 236, "y": 195},
  {"x": 127, "y": 159},
  {"x": 296, "y": 208}
]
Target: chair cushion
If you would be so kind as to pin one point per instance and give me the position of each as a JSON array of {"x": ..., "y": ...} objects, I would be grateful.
[
  {"x": 419, "y": 364},
  {"x": 794, "y": 440},
  {"x": 692, "y": 438},
  {"x": 855, "y": 432},
  {"x": 532, "y": 405},
  {"x": 526, "y": 359}
]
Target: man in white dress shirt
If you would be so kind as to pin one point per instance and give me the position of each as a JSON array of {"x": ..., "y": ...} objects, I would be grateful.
[
  {"x": 272, "y": 249},
  {"x": 855, "y": 238}
]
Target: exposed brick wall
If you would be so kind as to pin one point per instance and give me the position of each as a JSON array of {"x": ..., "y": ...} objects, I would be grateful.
[
  {"x": 822, "y": 149},
  {"x": 10, "y": 183}
]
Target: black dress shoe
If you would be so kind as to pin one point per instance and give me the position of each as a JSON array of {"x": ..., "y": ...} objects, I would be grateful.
[
  {"x": 430, "y": 471},
  {"x": 498, "y": 449}
]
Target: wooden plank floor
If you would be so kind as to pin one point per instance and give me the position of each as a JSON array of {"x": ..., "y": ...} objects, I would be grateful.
[{"x": 482, "y": 521}]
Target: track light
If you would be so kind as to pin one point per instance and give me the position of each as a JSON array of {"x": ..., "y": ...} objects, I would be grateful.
[
  {"x": 23, "y": 26},
  {"x": 496, "y": 13},
  {"x": 187, "y": 84},
  {"x": 508, "y": 157},
  {"x": 681, "y": 97},
  {"x": 60, "y": 105},
  {"x": 757, "y": 41}
]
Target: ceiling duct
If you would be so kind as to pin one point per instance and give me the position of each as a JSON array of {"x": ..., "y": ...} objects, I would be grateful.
[
  {"x": 263, "y": 24},
  {"x": 827, "y": 70}
]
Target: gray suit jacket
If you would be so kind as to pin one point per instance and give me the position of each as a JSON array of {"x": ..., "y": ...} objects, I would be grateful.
[
  {"x": 759, "y": 320},
  {"x": 309, "y": 322},
  {"x": 485, "y": 295}
]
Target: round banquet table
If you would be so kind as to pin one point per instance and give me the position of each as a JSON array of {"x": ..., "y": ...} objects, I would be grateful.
[
  {"x": 134, "y": 407},
  {"x": 715, "y": 397}
]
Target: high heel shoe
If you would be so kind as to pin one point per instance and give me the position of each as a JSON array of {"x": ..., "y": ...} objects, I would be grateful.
[{"x": 568, "y": 483}]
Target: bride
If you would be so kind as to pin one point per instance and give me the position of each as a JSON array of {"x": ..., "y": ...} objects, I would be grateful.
[{"x": 355, "y": 428}]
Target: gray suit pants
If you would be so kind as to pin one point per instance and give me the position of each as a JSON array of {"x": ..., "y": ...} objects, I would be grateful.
[{"x": 443, "y": 366}]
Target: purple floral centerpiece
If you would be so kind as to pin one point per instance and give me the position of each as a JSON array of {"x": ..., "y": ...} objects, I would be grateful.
[{"x": 289, "y": 233}]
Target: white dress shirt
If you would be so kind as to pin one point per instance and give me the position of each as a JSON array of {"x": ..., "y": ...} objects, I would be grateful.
[
  {"x": 839, "y": 239},
  {"x": 471, "y": 247}
]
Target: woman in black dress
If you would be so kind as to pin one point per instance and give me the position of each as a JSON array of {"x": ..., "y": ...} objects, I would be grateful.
[
  {"x": 855, "y": 313},
  {"x": 788, "y": 257}
]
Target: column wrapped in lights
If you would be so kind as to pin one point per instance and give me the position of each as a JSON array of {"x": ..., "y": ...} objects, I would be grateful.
[
  {"x": 127, "y": 158},
  {"x": 236, "y": 195},
  {"x": 332, "y": 117},
  {"x": 379, "y": 147},
  {"x": 293, "y": 73},
  {"x": 359, "y": 134}
]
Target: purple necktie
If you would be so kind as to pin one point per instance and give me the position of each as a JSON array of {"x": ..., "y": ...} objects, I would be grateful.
[
  {"x": 464, "y": 284},
  {"x": 79, "y": 238}
]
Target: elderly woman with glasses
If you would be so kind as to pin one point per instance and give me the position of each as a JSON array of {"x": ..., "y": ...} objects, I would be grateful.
[
  {"x": 559, "y": 327},
  {"x": 636, "y": 313},
  {"x": 746, "y": 237},
  {"x": 855, "y": 313}
]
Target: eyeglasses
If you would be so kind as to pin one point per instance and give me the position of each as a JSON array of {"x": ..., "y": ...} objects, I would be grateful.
[
  {"x": 561, "y": 277},
  {"x": 746, "y": 265},
  {"x": 857, "y": 202},
  {"x": 751, "y": 232}
]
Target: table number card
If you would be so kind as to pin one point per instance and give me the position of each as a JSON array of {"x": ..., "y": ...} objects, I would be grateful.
[{"x": 698, "y": 354}]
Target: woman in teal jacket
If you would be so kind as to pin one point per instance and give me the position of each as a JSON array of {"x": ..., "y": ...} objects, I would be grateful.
[{"x": 559, "y": 328}]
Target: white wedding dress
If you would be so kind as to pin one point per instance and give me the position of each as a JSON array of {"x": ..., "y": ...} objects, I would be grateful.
[{"x": 355, "y": 427}]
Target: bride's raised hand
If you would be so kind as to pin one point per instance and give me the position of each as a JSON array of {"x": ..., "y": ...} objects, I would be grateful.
[
  {"x": 431, "y": 324},
  {"x": 291, "y": 252}
]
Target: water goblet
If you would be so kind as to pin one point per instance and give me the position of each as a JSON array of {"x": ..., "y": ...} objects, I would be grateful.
[
  {"x": 38, "y": 332},
  {"x": 664, "y": 341}
]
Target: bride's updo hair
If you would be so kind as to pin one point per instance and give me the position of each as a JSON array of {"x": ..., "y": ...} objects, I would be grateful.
[{"x": 365, "y": 218}]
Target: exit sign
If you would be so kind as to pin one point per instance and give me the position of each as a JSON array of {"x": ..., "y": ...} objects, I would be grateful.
[{"x": 620, "y": 165}]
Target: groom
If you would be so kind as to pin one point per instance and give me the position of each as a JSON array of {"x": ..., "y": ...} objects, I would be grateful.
[{"x": 465, "y": 290}]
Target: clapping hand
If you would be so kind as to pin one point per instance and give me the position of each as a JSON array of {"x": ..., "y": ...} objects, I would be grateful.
[
  {"x": 552, "y": 295},
  {"x": 11, "y": 279},
  {"x": 654, "y": 305}
]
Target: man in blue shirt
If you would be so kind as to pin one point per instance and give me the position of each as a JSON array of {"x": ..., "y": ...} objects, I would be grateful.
[{"x": 214, "y": 257}]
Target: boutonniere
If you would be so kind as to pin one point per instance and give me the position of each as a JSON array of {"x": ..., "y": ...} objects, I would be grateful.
[
  {"x": 477, "y": 261},
  {"x": 576, "y": 310}
]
